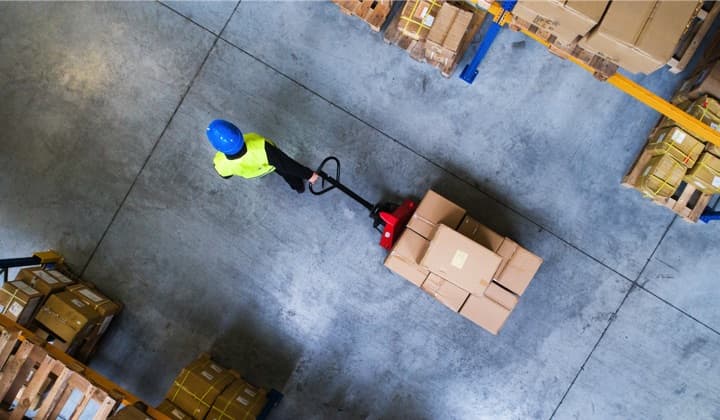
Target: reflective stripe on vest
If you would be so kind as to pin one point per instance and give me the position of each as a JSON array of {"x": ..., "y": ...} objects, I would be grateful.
[{"x": 252, "y": 164}]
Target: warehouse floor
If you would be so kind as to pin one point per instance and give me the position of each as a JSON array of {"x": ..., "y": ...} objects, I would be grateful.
[{"x": 104, "y": 158}]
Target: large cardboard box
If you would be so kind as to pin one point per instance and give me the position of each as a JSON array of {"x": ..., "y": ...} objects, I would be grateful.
[
  {"x": 485, "y": 312},
  {"x": 172, "y": 411},
  {"x": 518, "y": 266},
  {"x": 480, "y": 233},
  {"x": 676, "y": 142},
  {"x": 67, "y": 317},
  {"x": 18, "y": 301},
  {"x": 404, "y": 258},
  {"x": 705, "y": 109},
  {"x": 432, "y": 211},
  {"x": 41, "y": 280},
  {"x": 239, "y": 401},
  {"x": 661, "y": 177},
  {"x": 445, "y": 38},
  {"x": 705, "y": 176},
  {"x": 640, "y": 36},
  {"x": 502, "y": 296},
  {"x": 446, "y": 292},
  {"x": 567, "y": 20},
  {"x": 459, "y": 259},
  {"x": 198, "y": 385},
  {"x": 417, "y": 18},
  {"x": 98, "y": 301}
]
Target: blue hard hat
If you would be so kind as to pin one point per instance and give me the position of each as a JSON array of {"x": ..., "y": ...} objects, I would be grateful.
[{"x": 225, "y": 137}]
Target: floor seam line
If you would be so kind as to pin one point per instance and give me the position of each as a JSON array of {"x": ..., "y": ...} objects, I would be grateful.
[
  {"x": 679, "y": 310},
  {"x": 155, "y": 145}
]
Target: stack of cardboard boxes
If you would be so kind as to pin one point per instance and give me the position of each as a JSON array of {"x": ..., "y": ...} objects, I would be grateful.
[
  {"x": 461, "y": 263},
  {"x": 639, "y": 36},
  {"x": 205, "y": 390}
]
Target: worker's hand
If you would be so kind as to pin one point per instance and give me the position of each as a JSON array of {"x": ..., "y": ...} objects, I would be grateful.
[{"x": 313, "y": 179}]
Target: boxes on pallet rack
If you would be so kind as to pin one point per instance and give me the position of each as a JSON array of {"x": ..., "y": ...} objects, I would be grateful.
[
  {"x": 373, "y": 12},
  {"x": 567, "y": 20},
  {"x": 45, "y": 282},
  {"x": 674, "y": 141},
  {"x": 446, "y": 35},
  {"x": 705, "y": 175},
  {"x": 661, "y": 177},
  {"x": 417, "y": 17},
  {"x": 18, "y": 301},
  {"x": 67, "y": 317},
  {"x": 198, "y": 385}
]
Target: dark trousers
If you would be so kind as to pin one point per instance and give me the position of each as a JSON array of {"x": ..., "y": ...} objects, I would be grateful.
[{"x": 295, "y": 182}]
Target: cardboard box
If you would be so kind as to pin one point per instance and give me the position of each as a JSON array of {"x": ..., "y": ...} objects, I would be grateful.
[
  {"x": 18, "y": 301},
  {"x": 446, "y": 292},
  {"x": 130, "y": 413},
  {"x": 198, "y": 385},
  {"x": 705, "y": 81},
  {"x": 567, "y": 20},
  {"x": 640, "y": 36},
  {"x": 418, "y": 17},
  {"x": 98, "y": 301},
  {"x": 445, "y": 38},
  {"x": 67, "y": 317},
  {"x": 172, "y": 411},
  {"x": 518, "y": 266},
  {"x": 705, "y": 109},
  {"x": 485, "y": 312},
  {"x": 432, "y": 211},
  {"x": 676, "y": 142},
  {"x": 480, "y": 233},
  {"x": 715, "y": 150},
  {"x": 661, "y": 177},
  {"x": 41, "y": 280},
  {"x": 502, "y": 296},
  {"x": 239, "y": 401},
  {"x": 459, "y": 259},
  {"x": 705, "y": 176},
  {"x": 404, "y": 258}
]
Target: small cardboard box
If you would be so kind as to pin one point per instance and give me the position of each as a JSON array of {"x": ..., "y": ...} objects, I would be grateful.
[
  {"x": 418, "y": 17},
  {"x": 661, "y": 177},
  {"x": 445, "y": 38},
  {"x": 480, "y": 233},
  {"x": 198, "y": 385},
  {"x": 18, "y": 301},
  {"x": 67, "y": 317},
  {"x": 404, "y": 258},
  {"x": 567, "y": 20},
  {"x": 485, "y": 312},
  {"x": 130, "y": 413},
  {"x": 502, "y": 296},
  {"x": 41, "y": 280},
  {"x": 446, "y": 292},
  {"x": 432, "y": 211},
  {"x": 172, "y": 411},
  {"x": 239, "y": 401},
  {"x": 459, "y": 259},
  {"x": 518, "y": 266},
  {"x": 705, "y": 176},
  {"x": 676, "y": 142}
]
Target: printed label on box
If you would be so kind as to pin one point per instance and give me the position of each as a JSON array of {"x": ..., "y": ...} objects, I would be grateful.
[
  {"x": 105, "y": 324},
  {"x": 715, "y": 126},
  {"x": 423, "y": 12},
  {"x": 428, "y": 20},
  {"x": 45, "y": 276},
  {"x": 216, "y": 368},
  {"x": 25, "y": 288},
  {"x": 92, "y": 296},
  {"x": 459, "y": 259},
  {"x": 15, "y": 309},
  {"x": 207, "y": 375},
  {"x": 250, "y": 392},
  {"x": 716, "y": 181},
  {"x": 60, "y": 276},
  {"x": 178, "y": 414},
  {"x": 678, "y": 136},
  {"x": 242, "y": 400},
  {"x": 699, "y": 184},
  {"x": 647, "y": 171},
  {"x": 79, "y": 303},
  {"x": 660, "y": 138}
]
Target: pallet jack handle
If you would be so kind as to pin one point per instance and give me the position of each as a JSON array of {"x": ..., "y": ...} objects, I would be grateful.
[{"x": 335, "y": 183}]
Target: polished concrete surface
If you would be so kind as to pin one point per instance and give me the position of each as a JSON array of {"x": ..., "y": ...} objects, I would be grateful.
[{"x": 104, "y": 158}]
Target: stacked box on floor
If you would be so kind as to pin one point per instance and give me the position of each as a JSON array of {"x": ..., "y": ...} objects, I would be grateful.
[
  {"x": 46, "y": 282},
  {"x": 445, "y": 38},
  {"x": 240, "y": 400},
  {"x": 18, "y": 301},
  {"x": 67, "y": 317},
  {"x": 198, "y": 385},
  {"x": 471, "y": 270},
  {"x": 567, "y": 20},
  {"x": 417, "y": 17}
]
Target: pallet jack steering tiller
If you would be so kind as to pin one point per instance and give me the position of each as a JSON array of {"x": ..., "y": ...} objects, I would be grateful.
[{"x": 388, "y": 218}]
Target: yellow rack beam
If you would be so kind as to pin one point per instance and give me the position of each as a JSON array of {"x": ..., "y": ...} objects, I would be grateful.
[{"x": 689, "y": 123}]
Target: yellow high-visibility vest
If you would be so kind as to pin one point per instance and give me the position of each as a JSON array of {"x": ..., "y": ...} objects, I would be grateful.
[{"x": 252, "y": 164}]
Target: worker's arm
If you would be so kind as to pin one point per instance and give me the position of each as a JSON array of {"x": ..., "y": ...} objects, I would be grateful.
[{"x": 285, "y": 164}]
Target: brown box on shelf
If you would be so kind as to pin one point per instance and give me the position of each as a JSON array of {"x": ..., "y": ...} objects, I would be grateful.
[
  {"x": 480, "y": 233},
  {"x": 661, "y": 177},
  {"x": 640, "y": 36},
  {"x": 18, "y": 301},
  {"x": 417, "y": 18},
  {"x": 67, "y": 317},
  {"x": 502, "y": 296},
  {"x": 518, "y": 266},
  {"x": 432, "y": 211},
  {"x": 566, "y": 19},
  {"x": 198, "y": 385},
  {"x": 239, "y": 401},
  {"x": 459, "y": 259},
  {"x": 676, "y": 142},
  {"x": 172, "y": 411},
  {"x": 444, "y": 291},
  {"x": 130, "y": 413},
  {"x": 705, "y": 175},
  {"x": 485, "y": 312},
  {"x": 445, "y": 38},
  {"x": 404, "y": 258}
]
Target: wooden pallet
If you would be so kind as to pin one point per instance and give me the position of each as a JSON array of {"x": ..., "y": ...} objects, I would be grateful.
[
  {"x": 373, "y": 12},
  {"x": 691, "y": 40},
  {"x": 687, "y": 202},
  {"x": 416, "y": 48}
]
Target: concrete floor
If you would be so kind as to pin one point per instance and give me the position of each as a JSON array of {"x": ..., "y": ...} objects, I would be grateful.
[{"x": 104, "y": 158}]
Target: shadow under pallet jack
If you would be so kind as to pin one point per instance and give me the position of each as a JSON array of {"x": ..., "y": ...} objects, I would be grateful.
[{"x": 388, "y": 218}]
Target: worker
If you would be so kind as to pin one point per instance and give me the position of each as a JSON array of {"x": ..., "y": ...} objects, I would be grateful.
[{"x": 251, "y": 155}]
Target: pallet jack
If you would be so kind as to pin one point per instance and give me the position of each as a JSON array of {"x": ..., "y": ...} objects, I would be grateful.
[
  {"x": 388, "y": 218},
  {"x": 46, "y": 259}
]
